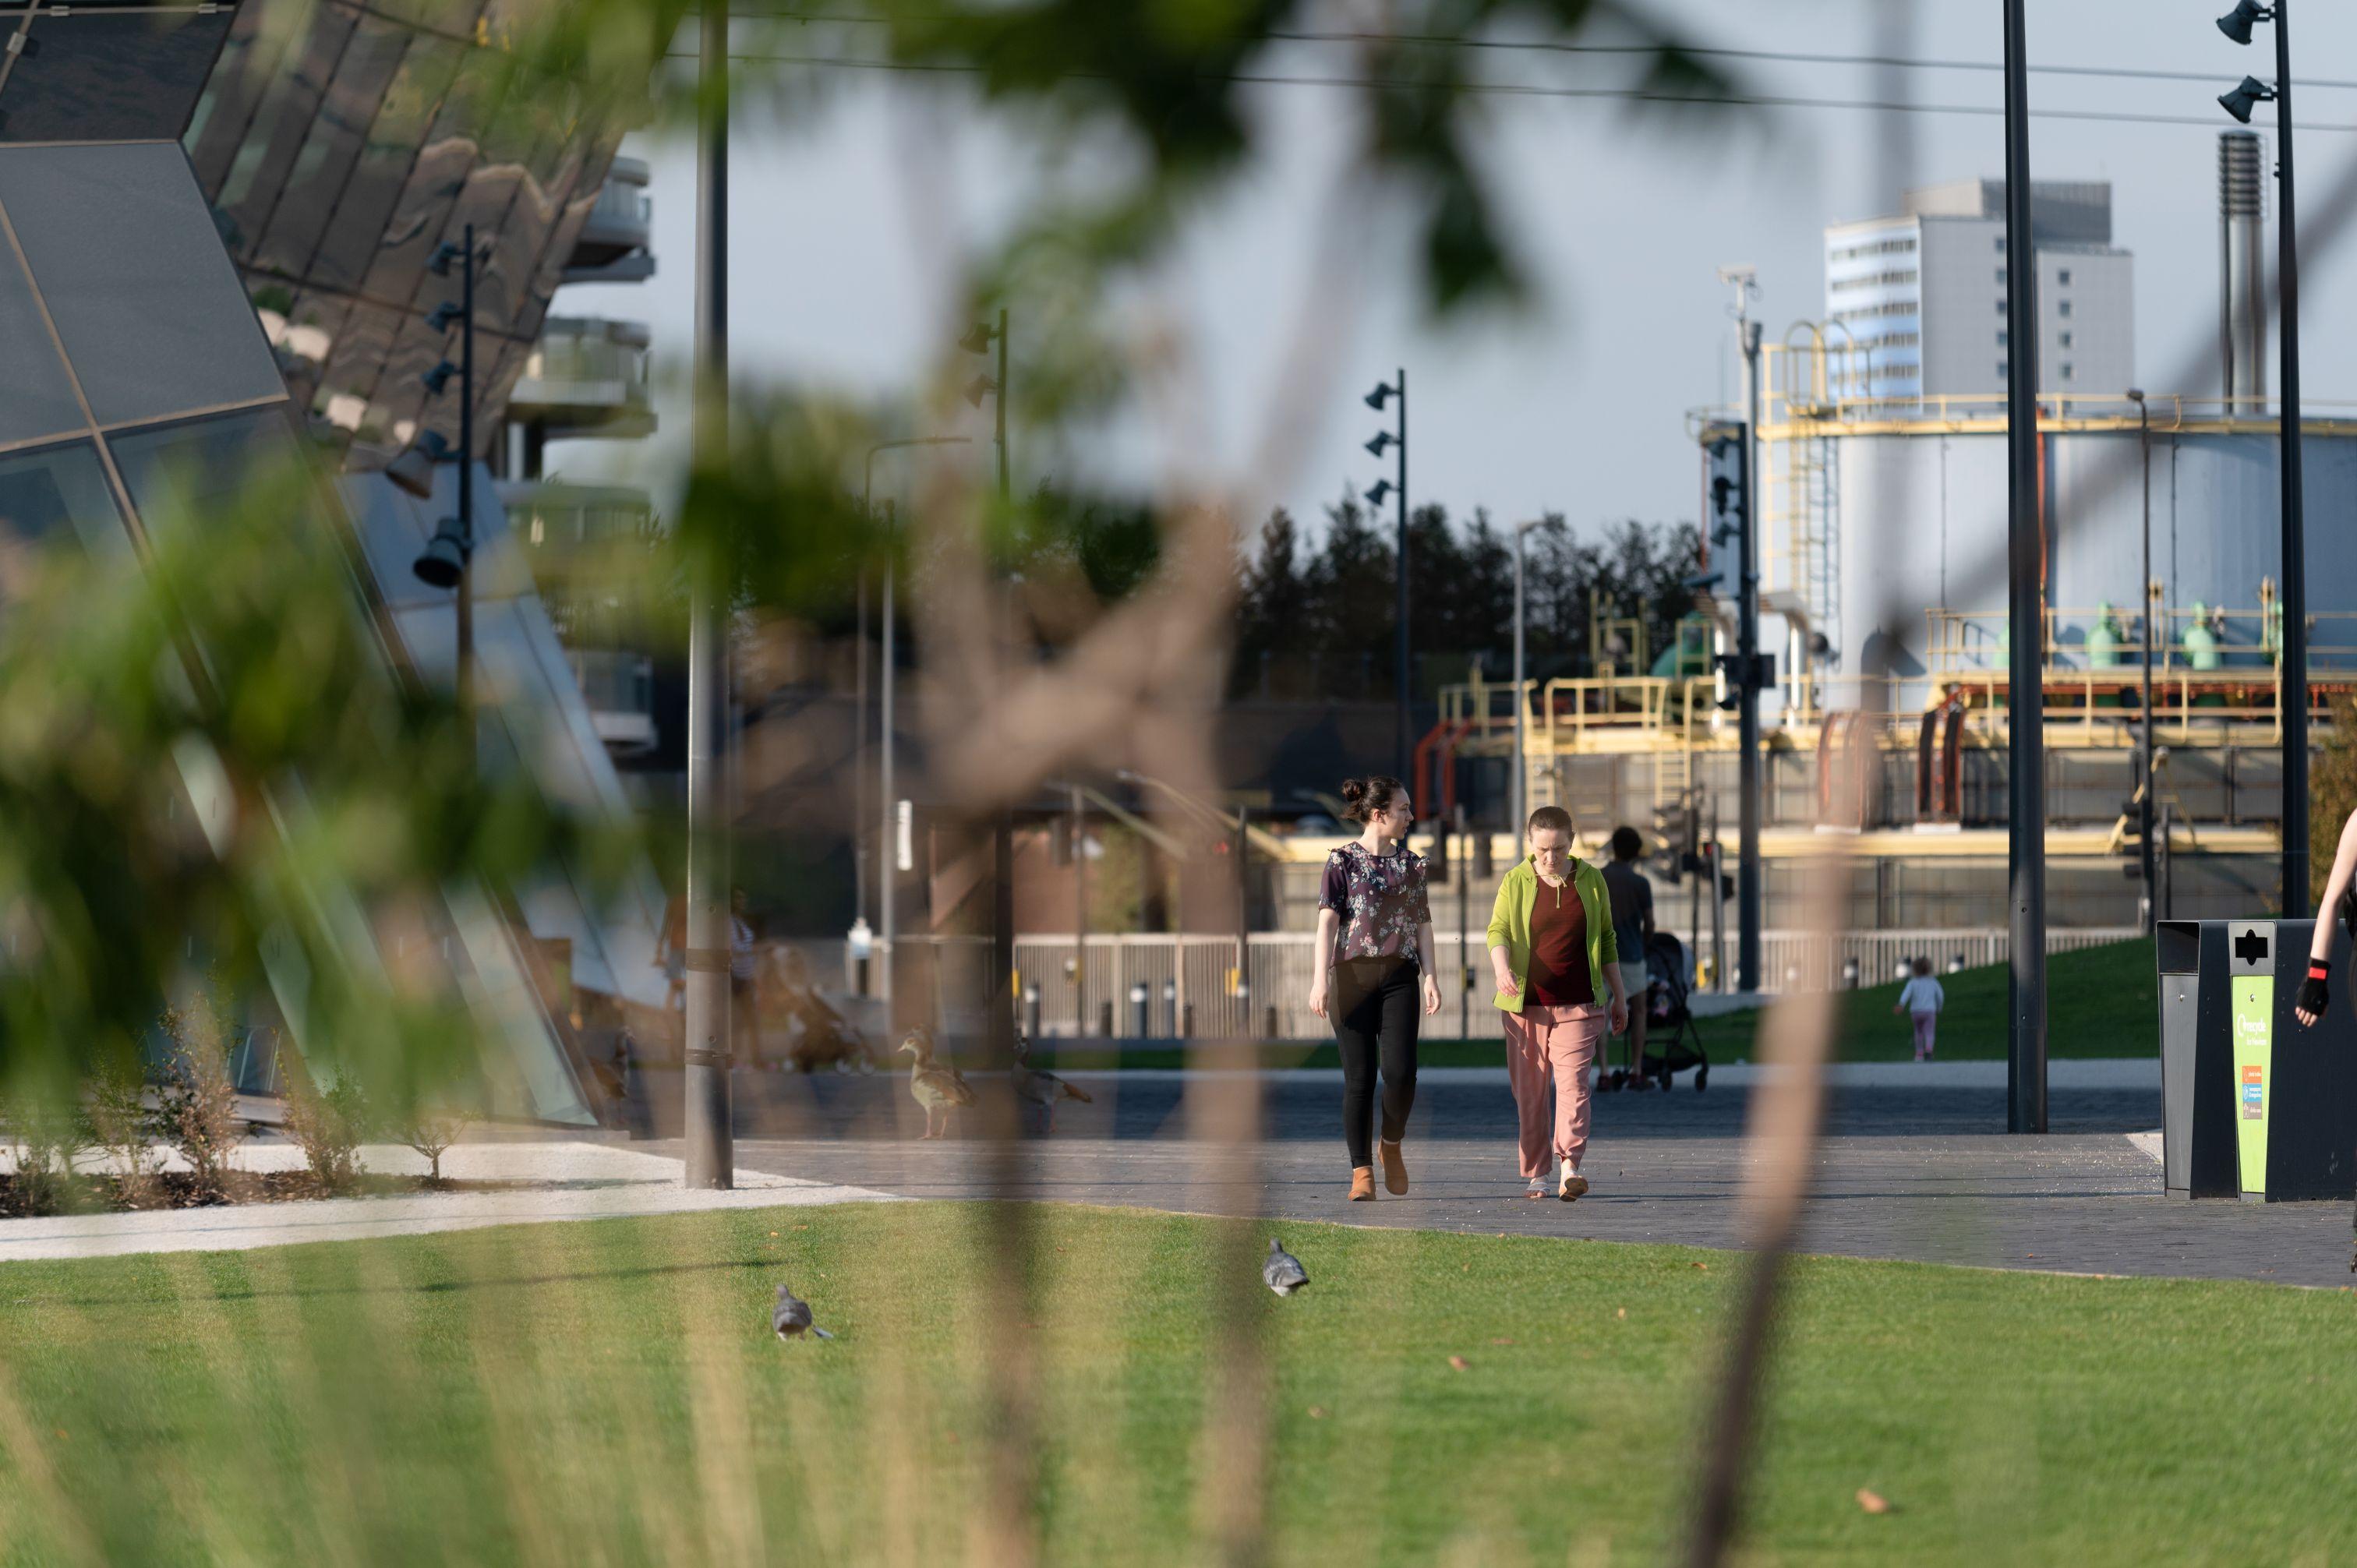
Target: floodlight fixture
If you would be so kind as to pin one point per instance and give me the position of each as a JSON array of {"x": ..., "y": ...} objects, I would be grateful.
[
  {"x": 439, "y": 377},
  {"x": 1380, "y": 396},
  {"x": 2241, "y": 100},
  {"x": 978, "y": 338},
  {"x": 413, "y": 469},
  {"x": 1377, "y": 491},
  {"x": 979, "y": 387},
  {"x": 449, "y": 311},
  {"x": 447, "y": 254},
  {"x": 1382, "y": 439},
  {"x": 444, "y": 561},
  {"x": 2236, "y": 23}
]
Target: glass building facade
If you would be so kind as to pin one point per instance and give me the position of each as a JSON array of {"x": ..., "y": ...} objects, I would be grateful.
[
  {"x": 340, "y": 144},
  {"x": 214, "y": 225}
]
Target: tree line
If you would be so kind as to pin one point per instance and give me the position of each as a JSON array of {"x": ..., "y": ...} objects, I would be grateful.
[{"x": 1315, "y": 621}]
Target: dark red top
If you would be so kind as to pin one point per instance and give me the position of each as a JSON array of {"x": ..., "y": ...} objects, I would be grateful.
[{"x": 1560, "y": 976}]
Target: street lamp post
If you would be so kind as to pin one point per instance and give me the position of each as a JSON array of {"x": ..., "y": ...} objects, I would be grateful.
[
  {"x": 1520, "y": 806},
  {"x": 2292, "y": 656},
  {"x": 2025, "y": 688},
  {"x": 886, "y": 816},
  {"x": 711, "y": 1154},
  {"x": 449, "y": 560},
  {"x": 999, "y": 976},
  {"x": 1383, "y": 392},
  {"x": 2144, "y": 704}
]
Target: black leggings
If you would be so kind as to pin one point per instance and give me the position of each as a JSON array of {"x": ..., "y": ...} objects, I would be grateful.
[{"x": 1375, "y": 1011}]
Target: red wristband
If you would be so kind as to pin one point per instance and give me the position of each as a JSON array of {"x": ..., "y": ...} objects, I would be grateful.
[{"x": 2319, "y": 969}]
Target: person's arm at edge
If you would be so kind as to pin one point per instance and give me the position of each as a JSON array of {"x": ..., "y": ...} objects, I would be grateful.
[
  {"x": 1431, "y": 987},
  {"x": 1501, "y": 964},
  {"x": 2319, "y": 948},
  {"x": 1322, "y": 956}
]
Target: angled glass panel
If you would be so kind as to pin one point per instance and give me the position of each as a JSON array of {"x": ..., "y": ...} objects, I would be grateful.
[
  {"x": 154, "y": 319},
  {"x": 363, "y": 222},
  {"x": 49, "y": 496},
  {"x": 315, "y": 184},
  {"x": 92, "y": 75},
  {"x": 257, "y": 176},
  {"x": 183, "y": 471},
  {"x": 355, "y": 362},
  {"x": 240, "y": 76},
  {"x": 421, "y": 216},
  {"x": 35, "y": 397}
]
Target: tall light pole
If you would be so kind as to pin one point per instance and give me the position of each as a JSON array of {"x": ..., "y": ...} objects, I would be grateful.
[
  {"x": 2144, "y": 703},
  {"x": 888, "y": 810},
  {"x": 2025, "y": 688},
  {"x": 1520, "y": 806},
  {"x": 1749, "y": 678},
  {"x": 998, "y": 980},
  {"x": 1383, "y": 392},
  {"x": 710, "y": 1156},
  {"x": 449, "y": 560},
  {"x": 2292, "y": 667}
]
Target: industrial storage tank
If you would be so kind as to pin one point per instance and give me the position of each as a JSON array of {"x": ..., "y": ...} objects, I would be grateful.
[{"x": 1917, "y": 522}]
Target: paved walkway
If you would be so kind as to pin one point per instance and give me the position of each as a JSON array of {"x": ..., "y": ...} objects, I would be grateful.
[
  {"x": 1915, "y": 1164},
  {"x": 554, "y": 1181}
]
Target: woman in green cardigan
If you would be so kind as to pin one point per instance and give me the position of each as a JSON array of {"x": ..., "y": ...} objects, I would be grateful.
[{"x": 1553, "y": 953}]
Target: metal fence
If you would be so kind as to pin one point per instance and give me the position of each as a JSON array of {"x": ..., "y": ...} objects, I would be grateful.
[{"x": 1160, "y": 987}]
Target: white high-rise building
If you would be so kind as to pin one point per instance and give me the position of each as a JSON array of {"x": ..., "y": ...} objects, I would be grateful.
[{"x": 1923, "y": 294}]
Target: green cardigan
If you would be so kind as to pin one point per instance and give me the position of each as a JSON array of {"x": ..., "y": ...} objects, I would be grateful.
[{"x": 1509, "y": 926}]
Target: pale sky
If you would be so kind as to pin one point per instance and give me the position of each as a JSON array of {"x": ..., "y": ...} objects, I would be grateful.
[{"x": 1580, "y": 405}]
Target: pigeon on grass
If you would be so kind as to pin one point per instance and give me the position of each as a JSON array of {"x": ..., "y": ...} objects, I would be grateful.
[
  {"x": 791, "y": 1317},
  {"x": 1283, "y": 1272}
]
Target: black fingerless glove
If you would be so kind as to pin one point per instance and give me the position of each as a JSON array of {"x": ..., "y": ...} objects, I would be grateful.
[{"x": 2313, "y": 993}]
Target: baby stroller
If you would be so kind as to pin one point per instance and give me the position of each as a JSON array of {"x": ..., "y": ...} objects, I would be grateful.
[{"x": 1673, "y": 1043}]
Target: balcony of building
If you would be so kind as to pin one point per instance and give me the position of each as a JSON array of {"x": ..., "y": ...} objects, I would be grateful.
[
  {"x": 585, "y": 377},
  {"x": 613, "y": 245},
  {"x": 588, "y": 545}
]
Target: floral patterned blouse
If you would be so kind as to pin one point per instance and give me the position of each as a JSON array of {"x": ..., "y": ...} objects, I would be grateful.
[{"x": 1380, "y": 898}]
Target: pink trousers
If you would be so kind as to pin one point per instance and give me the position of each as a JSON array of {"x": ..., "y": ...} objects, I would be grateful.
[
  {"x": 1926, "y": 1026},
  {"x": 1552, "y": 1049}
]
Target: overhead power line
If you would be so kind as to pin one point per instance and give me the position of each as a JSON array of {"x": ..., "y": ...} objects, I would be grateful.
[
  {"x": 1537, "y": 90},
  {"x": 1556, "y": 46}
]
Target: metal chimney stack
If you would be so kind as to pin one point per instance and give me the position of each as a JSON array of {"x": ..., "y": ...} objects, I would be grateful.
[{"x": 2241, "y": 269}]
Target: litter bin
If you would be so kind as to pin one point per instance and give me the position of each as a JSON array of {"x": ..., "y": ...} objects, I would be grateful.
[{"x": 2253, "y": 1105}]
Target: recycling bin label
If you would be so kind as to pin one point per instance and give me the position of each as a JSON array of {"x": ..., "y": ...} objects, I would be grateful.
[{"x": 2253, "y": 984}]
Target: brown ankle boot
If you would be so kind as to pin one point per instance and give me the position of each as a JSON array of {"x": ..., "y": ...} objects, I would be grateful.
[
  {"x": 1363, "y": 1184},
  {"x": 1394, "y": 1168}
]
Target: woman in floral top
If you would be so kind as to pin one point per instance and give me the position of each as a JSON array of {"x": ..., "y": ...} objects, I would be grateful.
[{"x": 1374, "y": 946}]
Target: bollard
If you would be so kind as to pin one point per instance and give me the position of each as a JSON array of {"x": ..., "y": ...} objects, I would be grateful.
[
  {"x": 1186, "y": 1022},
  {"x": 1849, "y": 974},
  {"x": 1104, "y": 1018},
  {"x": 1144, "y": 1028},
  {"x": 1270, "y": 1032},
  {"x": 1170, "y": 1006},
  {"x": 1031, "y": 1012}
]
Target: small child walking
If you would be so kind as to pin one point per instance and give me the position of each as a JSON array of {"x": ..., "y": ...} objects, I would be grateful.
[{"x": 1921, "y": 999}]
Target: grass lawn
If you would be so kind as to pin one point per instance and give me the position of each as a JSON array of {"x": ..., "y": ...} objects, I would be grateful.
[
  {"x": 2101, "y": 1001},
  {"x": 609, "y": 1392}
]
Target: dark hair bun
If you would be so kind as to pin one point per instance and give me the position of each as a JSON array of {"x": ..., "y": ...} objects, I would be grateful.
[{"x": 1354, "y": 790}]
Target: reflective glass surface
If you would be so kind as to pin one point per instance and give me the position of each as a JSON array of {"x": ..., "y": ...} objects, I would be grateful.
[
  {"x": 151, "y": 313},
  {"x": 92, "y": 75},
  {"x": 50, "y": 496},
  {"x": 35, "y": 398},
  {"x": 370, "y": 56},
  {"x": 183, "y": 471},
  {"x": 341, "y": 144}
]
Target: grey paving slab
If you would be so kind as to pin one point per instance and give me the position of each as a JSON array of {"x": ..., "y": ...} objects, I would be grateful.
[{"x": 1926, "y": 1174}]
